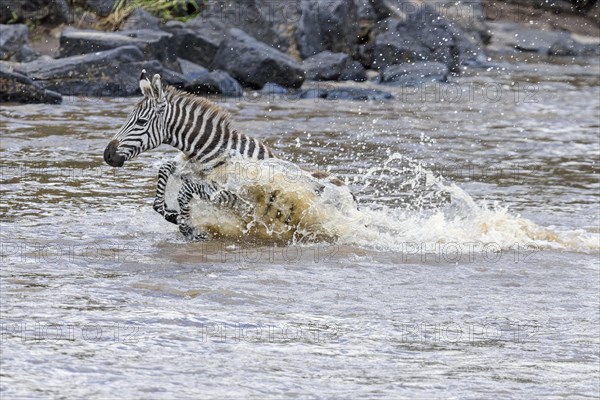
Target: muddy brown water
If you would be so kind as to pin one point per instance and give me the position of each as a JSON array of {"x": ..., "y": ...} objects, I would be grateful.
[{"x": 490, "y": 290}]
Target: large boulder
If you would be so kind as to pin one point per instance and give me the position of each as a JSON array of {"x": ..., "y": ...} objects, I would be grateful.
[
  {"x": 216, "y": 82},
  {"x": 155, "y": 45},
  {"x": 14, "y": 43},
  {"x": 191, "y": 70},
  {"x": 423, "y": 35},
  {"x": 199, "y": 45},
  {"x": 254, "y": 63},
  {"x": 16, "y": 87},
  {"x": 328, "y": 66},
  {"x": 415, "y": 73},
  {"x": 268, "y": 21},
  {"x": 52, "y": 12},
  {"x": 329, "y": 25},
  {"x": 113, "y": 72}
]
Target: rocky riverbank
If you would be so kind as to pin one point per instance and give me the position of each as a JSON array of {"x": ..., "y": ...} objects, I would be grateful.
[{"x": 265, "y": 45}]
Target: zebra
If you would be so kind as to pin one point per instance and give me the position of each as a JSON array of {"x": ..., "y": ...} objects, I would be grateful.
[{"x": 202, "y": 131}]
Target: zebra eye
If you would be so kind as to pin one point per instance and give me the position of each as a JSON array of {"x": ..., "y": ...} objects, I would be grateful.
[{"x": 141, "y": 121}]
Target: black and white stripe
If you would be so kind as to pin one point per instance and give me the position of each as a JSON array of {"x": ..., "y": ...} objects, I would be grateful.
[{"x": 197, "y": 127}]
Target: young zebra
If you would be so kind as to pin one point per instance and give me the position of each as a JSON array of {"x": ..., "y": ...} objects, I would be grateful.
[{"x": 204, "y": 134}]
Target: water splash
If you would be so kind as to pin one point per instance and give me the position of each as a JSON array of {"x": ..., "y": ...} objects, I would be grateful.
[{"x": 402, "y": 205}]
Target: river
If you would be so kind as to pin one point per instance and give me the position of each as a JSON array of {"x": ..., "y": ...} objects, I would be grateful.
[{"x": 473, "y": 274}]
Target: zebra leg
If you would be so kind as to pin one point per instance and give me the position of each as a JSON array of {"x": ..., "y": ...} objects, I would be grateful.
[
  {"x": 165, "y": 171},
  {"x": 205, "y": 191},
  {"x": 186, "y": 193}
]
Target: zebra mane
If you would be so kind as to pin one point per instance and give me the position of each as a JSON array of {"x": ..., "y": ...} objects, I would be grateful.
[{"x": 202, "y": 103}]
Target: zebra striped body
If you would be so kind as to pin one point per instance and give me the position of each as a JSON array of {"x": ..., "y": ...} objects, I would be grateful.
[{"x": 204, "y": 134}]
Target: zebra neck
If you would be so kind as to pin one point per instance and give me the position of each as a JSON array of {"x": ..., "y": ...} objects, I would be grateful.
[{"x": 198, "y": 129}]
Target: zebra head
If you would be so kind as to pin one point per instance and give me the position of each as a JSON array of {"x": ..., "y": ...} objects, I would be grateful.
[{"x": 144, "y": 128}]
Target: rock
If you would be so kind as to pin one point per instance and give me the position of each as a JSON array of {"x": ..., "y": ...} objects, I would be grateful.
[
  {"x": 268, "y": 21},
  {"x": 508, "y": 37},
  {"x": 197, "y": 45},
  {"x": 329, "y": 25},
  {"x": 15, "y": 87},
  {"x": 328, "y": 66},
  {"x": 156, "y": 45},
  {"x": 365, "y": 10},
  {"x": 357, "y": 94},
  {"x": 415, "y": 73},
  {"x": 141, "y": 19},
  {"x": 573, "y": 48},
  {"x": 14, "y": 43},
  {"x": 423, "y": 36},
  {"x": 191, "y": 70},
  {"x": 113, "y": 72},
  {"x": 102, "y": 8},
  {"x": 467, "y": 16},
  {"x": 216, "y": 82},
  {"x": 35, "y": 11},
  {"x": 387, "y": 8},
  {"x": 273, "y": 88},
  {"x": 366, "y": 19},
  {"x": 254, "y": 63},
  {"x": 354, "y": 72}
]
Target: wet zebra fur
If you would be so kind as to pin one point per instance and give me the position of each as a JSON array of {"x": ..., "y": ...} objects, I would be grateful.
[
  {"x": 202, "y": 131},
  {"x": 195, "y": 126}
]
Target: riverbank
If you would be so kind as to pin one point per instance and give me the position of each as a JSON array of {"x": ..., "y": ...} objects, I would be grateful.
[{"x": 231, "y": 48}]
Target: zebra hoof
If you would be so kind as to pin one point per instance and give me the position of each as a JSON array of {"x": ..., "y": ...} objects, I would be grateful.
[
  {"x": 192, "y": 234},
  {"x": 171, "y": 216}
]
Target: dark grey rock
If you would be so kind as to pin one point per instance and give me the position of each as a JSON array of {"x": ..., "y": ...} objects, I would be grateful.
[
  {"x": 388, "y": 8},
  {"x": 254, "y": 63},
  {"x": 394, "y": 45},
  {"x": 141, "y": 19},
  {"x": 366, "y": 18},
  {"x": 467, "y": 16},
  {"x": 198, "y": 45},
  {"x": 113, "y": 72},
  {"x": 15, "y": 87},
  {"x": 326, "y": 25},
  {"x": 365, "y": 10},
  {"x": 508, "y": 37},
  {"x": 101, "y": 7},
  {"x": 191, "y": 70},
  {"x": 328, "y": 66},
  {"x": 14, "y": 43},
  {"x": 424, "y": 35},
  {"x": 356, "y": 94},
  {"x": 414, "y": 73},
  {"x": 268, "y": 21},
  {"x": 155, "y": 45},
  {"x": 572, "y": 48},
  {"x": 216, "y": 82},
  {"x": 354, "y": 72},
  {"x": 52, "y": 12}
]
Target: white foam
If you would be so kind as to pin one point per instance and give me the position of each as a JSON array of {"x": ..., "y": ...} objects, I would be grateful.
[{"x": 315, "y": 209}]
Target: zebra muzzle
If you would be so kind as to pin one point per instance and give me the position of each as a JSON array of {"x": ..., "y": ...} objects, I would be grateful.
[{"x": 111, "y": 156}]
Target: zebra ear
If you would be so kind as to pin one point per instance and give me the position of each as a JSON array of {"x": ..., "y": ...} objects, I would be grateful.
[
  {"x": 145, "y": 85},
  {"x": 157, "y": 86}
]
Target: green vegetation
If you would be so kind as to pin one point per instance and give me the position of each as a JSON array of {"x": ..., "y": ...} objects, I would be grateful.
[{"x": 181, "y": 10}]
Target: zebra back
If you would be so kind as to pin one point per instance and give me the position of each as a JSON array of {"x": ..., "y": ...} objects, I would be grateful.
[{"x": 204, "y": 131}]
